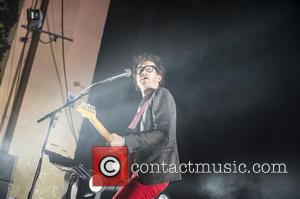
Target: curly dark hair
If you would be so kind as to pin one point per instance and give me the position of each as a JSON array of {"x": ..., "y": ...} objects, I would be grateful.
[{"x": 139, "y": 59}]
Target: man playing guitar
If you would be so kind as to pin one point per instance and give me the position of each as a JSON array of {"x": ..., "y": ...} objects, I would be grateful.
[{"x": 153, "y": 132}]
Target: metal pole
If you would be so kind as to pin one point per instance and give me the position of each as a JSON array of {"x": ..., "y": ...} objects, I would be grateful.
[{"x": 6, "y": 141}]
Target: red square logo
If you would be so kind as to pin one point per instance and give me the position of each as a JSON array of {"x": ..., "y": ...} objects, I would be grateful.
[{"x": 110, "y": 166}]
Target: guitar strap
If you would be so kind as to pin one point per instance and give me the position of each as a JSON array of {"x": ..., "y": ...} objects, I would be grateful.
[{"x": 139, "y": 113}]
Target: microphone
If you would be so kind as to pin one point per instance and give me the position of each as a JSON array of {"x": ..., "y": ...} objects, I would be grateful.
[{"x": 126, "y": 74}]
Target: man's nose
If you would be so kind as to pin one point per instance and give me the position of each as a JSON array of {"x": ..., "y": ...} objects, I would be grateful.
[{"x": 144, "y": 72}]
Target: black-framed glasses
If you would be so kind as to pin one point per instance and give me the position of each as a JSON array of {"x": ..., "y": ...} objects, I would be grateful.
[{"x": 148, "y": 68}]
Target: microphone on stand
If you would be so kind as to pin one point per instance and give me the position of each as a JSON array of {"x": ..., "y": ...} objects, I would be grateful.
[
  {"x": 126, "y": 74},
  {"x": 108, "y": 80}
]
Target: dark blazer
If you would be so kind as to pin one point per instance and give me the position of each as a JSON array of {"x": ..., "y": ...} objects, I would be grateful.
[{"x": 153, "y": 141}]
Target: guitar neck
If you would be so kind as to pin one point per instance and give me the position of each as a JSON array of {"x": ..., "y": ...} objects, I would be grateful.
[{"x": 101, "y": 129}]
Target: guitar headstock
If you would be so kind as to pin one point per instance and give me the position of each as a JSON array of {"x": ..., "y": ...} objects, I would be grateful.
[{"x": 87, "y": 110}]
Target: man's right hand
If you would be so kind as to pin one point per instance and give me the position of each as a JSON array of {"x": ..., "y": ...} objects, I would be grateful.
[{"x": 117, "y": 140}]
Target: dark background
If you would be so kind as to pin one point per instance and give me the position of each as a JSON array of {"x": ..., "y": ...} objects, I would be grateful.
[
  {"x": 8, "y": 17},
  {"x": 233, "y": 69}
]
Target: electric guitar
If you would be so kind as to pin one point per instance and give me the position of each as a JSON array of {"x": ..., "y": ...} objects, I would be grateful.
[{"x": 88, "y": 111}]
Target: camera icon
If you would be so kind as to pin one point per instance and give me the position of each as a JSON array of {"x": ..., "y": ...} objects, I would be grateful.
[{"x": 109, "y": 166}]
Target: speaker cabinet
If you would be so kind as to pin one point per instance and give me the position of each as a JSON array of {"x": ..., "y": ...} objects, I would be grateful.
[
  {"x": 4, "y": 189},
  {"x": 7, "y": 170}
]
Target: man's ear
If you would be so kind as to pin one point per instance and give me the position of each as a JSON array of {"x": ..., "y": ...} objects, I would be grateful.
[{"x": 159, "y": 78}]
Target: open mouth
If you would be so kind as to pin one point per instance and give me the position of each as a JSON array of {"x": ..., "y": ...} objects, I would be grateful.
[{"x": 143, "y": 78}]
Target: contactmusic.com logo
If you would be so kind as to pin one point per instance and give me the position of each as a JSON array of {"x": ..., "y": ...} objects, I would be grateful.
[{"x": 110, "y": 166}]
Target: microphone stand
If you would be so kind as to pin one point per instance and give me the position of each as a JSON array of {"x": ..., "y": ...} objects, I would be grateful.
[{"x": 54, "y": 118}]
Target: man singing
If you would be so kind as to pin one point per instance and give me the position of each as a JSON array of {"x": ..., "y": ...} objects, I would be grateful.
[{"x": 153, "y": 133}]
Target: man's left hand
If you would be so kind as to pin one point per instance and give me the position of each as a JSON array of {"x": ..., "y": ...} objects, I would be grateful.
[{"x": 117, "y": 140}]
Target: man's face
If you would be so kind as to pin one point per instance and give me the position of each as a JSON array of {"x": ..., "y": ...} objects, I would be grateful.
[{"x": 147, "y": 76}]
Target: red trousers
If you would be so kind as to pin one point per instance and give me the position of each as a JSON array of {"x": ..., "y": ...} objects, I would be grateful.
[{"x": 135, "y": 190}]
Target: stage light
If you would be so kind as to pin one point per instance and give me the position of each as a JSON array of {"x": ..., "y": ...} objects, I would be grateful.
[
  {"x": 163, "y": 196},
  {"x": 93, "y": 188},
  {"x": 34, "y": 18}
]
